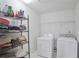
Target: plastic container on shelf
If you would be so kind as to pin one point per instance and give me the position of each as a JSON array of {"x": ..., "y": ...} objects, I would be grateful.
[
  {"x": 12, "y": 13},
  {"x": 9, "y": 10},
  {"x": 5, "y": 10}
]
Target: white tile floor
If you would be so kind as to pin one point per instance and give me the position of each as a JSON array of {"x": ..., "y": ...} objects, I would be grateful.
[{"x": 35, "y": 55}]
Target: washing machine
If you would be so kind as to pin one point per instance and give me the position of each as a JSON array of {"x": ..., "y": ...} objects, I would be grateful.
[
  {"x": 45, "y": 46},
  {"x": 67, "y": 47}
]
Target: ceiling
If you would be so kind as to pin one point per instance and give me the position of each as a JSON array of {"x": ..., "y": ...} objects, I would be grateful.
[{"x": 43, "y": 6}]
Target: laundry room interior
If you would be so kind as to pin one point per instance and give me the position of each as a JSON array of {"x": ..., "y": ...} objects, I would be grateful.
[{"x": 39, "y": 28}]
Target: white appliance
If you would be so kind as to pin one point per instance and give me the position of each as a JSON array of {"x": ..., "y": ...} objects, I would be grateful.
[
  {"x": 66, "y": 47},
  {"x": 45, "y": 46}
]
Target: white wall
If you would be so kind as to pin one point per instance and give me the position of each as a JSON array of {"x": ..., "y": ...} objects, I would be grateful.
[
  {"x": 58, "y": 22},
  {"x": 77, "y": 19},
  {"x": 34, "y": 21}
]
